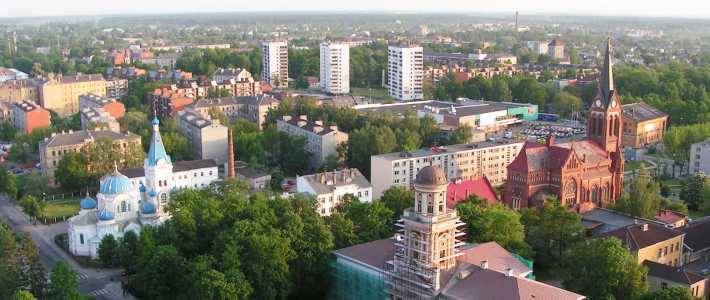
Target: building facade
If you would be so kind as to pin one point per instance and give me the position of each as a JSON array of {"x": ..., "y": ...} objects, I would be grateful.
[
  {"x": 405, "y": 72},
  {"x": 700, "y": 157},
  {"x": 250, "y": 108},
  {"x": 116, "y": 88},
  {"x": 335, "y": 68},
  {"x": 275, "y": 64},
  {"x": 61, "y": 93},
  {"x": 459, "y": 162},
  {"x": 556, "y": 49},
  {"x": 207, "y": 137},
  {"x": 128, "y": 202},
  {"x": 321, "y": 141},
  {"x": 643, "y": 125},
  {"x": 581, "y": 174},
  {"x": 53, "y": 148},
  {"x": 19, "y": 90},
  {"x": 28, "y": 116},
  {"x": 329, "y": 188}
]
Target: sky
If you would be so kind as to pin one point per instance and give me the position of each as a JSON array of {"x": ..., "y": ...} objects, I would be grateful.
[{"x": 674, "y": 8}]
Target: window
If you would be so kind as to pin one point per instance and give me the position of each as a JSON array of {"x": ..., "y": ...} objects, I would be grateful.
[
  {"x": 163, "y": 199},
  {"x": 660, "y": 252},
  {"x": 123, "y": 206},
  {"x": 664, "y": 285},
  {"x": 81, "y": 238}
]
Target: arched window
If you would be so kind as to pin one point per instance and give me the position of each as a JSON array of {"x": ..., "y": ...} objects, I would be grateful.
[
  {"x": 123, "y": 206},
  {"x": 163, "y": 199},
  {"x": 611, "y": 126},
  {"x": 595, "y": 194},
  {"x": 616, "y": 126}
]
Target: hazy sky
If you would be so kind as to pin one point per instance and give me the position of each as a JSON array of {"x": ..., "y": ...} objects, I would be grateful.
[{"x": 674, "y": 8}]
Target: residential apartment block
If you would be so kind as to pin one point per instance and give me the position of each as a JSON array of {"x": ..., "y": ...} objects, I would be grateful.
[
  {"x": 405, "y": 72},
  {"x": 28, "y": 116},
  {"x": 61, "y": 93},
  {"x": 643, "y": 125},
  {"x": 329, "y": 188},
  {"x": 53, "y": 148},
  {"x": 335, "y": 68},
  {"x": 250, "y": 108},
  {"x": 275, "y": 64},
  {"x": 11, "y": 74},
  {"x": 208, "y": 138},
  {"x": 321, "y": 141},
  {"x": 116, "y": 88},
  {"x": 700, "y": 157},
  {"x": 462, "y": 161},
  {"x": 19, "y": 90}
]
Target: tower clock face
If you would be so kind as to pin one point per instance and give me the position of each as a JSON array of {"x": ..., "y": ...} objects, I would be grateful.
[
  {"x": 613, "y": 103},
  {"x": 599, "y": 103}
]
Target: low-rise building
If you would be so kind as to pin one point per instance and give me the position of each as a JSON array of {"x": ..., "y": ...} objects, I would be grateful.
[
  {"x": 700, "y": 157},
  {"x": 163, "y": 60},
  {"x": 250, "y": 108},
  {"x": 113, "y": 107},
  {"x": 321, "y": 141},
  {"x": 19, "y": 90},
  {"x": 662, "y": 276},
  {"x": 329, "y": 188},
  {"x": 61, "y": 93},
  {"x": 167, "y": 102},
  {"x": 256, "y": 179},
  {"x": 650, "y": 241},
  {"x": 53, "y": 148},
  {"x": 459, "y": 162},
  {"x": 12, "y": 74},
  {"x": 643, "y": 125},
  {"x": 225, "y": 74},
  {"x": 28, "y": 116},
  {"x": 98, "y": 118},
  {"x": 671, "y": 218},
  {"x": 208, "y": 138},
  {"x": 6, "y": 112}
]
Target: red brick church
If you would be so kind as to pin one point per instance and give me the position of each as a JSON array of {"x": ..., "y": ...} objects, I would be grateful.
[{"x": 582, "y": 174}]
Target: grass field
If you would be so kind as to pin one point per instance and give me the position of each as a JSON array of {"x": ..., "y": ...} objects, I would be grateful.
[
  {"x": 632, "y": 166},
  {"x": 62, "y": 208},
  {"x": 694, "y": 214},
  {"x": 377, "y": 93}
]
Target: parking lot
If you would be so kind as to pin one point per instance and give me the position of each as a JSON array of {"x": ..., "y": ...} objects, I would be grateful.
[{"x": 537, "y": 131}]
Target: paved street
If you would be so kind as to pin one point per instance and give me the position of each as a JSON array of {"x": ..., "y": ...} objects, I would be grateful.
[{"x": 96, "y": 283}]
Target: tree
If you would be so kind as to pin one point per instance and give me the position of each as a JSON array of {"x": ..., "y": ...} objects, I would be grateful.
[
  {"x": 7, "y": 131},
  {"x": 33, "y": 276},
  {"x": 343, "y": 230},
  {"x": 36, "y": 185},
  {"x": 128, "y": 248},
  {"x": 368, "y": 141},
  {"x": 8, "y": 183},
  {"x": 22, "y": 295},
  {"x": 212, "y": 284},
  {"x": 74, "y": 173},
  {"x": 551, "y": 229},
  {"x": 63, "y": 284},
  {"x": 643, "y": 200},
  {"x": 397, "y": 199},
  {"x": 496, "y": 223},
  {"x": 565, "y": 103},
  {"x": 693, "y": 190},
  {"x": 603, "y": 269},
  {"x": 671, "y": 293},
  {"x": 108, "y": 251},
  {"x": 372, "y": 221},
  {"x": 461, "y": 135},
  {"x": 32, "y": 206},
  {"x": 161, "y": 275}
]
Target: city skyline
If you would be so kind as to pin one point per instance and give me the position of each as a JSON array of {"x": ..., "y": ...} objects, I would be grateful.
[{"x": 655, "y": 8}]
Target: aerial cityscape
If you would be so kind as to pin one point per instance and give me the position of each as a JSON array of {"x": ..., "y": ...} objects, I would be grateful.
[{"x": 312, "y": 150}]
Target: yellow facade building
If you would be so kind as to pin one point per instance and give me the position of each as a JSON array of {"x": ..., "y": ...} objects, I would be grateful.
[{"x": 61, "y": 93}]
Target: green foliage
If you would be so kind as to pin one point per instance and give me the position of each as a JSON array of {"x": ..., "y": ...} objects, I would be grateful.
[
  {"x": 671, "y": 293},
  {"x": 20, "y": 265},
  {"x": 206, "y": 61},
  {"x": 564, "y": 104},
  {"x": 32, "y": 206},
  {"x": 108, "y": 251},
  {"x": 603, "y": 269},
  {"x": 22, "y": 295},
  {"x": 303, "y": 63},
  {"x": 695, "y": 191},
  {"x": 461, "y": 135},
  {"x": 63, "y": 283},
  {"x": 361, "y": 222},
  {"x": 496, "y": 223},
  {"x": 367, "y": 64},
  {"x": 643, "y": 199},
  {"x": 397, "y": 199},
  {"x": 74, "y": 173},
  {"x": 551, "y": 230},
  {"x": 7, "y": 131},
  {"x": 368, "y": 141},
  {"x": 678, "y": 139},
  {"x": 8, "y": 183}
]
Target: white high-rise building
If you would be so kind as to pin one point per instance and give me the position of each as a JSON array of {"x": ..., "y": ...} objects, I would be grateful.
[
  {"x": 275, "y": 68},
  {"x": 335, "y": 67},
  {"x": 405, "y": 72}
]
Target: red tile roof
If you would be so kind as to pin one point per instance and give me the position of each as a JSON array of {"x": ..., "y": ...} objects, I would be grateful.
[
  {"x": 669, "y": 216},
  {"x": 674, "y": 274},
  {"x": 479, "y": 186},
  {"x": 639, "y": 236}
]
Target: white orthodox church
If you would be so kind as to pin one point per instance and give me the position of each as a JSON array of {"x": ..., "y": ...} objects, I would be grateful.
[{"x": 132, "y": 198}]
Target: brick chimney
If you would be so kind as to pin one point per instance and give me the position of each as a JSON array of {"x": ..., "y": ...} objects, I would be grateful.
[{"x": 231, "y": 171}]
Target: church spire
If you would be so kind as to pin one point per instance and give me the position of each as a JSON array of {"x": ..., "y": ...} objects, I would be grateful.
[
  {"x": 156, "y": 152},
  {"x": 607, "y": 74}
]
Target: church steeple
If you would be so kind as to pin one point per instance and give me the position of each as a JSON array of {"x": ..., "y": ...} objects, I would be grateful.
[
  {"x": 156, "y": 152},
  {"x": 604, "y": 124},
  {"x": 606, "y": 84}
]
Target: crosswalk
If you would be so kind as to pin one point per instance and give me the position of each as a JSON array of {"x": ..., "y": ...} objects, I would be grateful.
[
  {"x": 99, "y": 292},
  {"x": 83, "y": 276}
]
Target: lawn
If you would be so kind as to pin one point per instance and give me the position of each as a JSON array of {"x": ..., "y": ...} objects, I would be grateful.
[
  {"x": 632, "y": 166},
  {"x": 377, "y": 93},
  {"x": 694, "y": 214},
  {"x": 61, "y": 208}
]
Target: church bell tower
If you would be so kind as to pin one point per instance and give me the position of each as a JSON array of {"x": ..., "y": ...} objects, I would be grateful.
[{"x": 604, "y": 125}]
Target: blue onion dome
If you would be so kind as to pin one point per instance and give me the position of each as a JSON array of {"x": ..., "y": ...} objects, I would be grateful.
[
  {"x": 152, "y": 194},
  {"x": 87, "y": 203},
  {"x": 115, "y": 183},
  {"x": 155, "y": 121},
  {"x": 105, "y": 215},
  {"x": 147, "y": 208},
  {"x": 141, "y": 188}
]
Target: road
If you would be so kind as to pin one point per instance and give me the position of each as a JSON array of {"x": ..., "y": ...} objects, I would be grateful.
[{"x": 93, "y": 282}]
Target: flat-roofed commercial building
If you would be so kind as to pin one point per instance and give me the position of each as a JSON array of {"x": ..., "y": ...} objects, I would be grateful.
[
  {"x": 643, "y": 125},
  {"x": 462, "y": 161},
  {"x": 207, "y": 137}
]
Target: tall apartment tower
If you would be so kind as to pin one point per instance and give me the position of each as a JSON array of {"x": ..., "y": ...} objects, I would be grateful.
[
  {"x": 275, "y": 68},
  {"x": 335, "y": 67},
  {"x": 427, "y": 248},
  {"x": 405, "y": 72}
]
